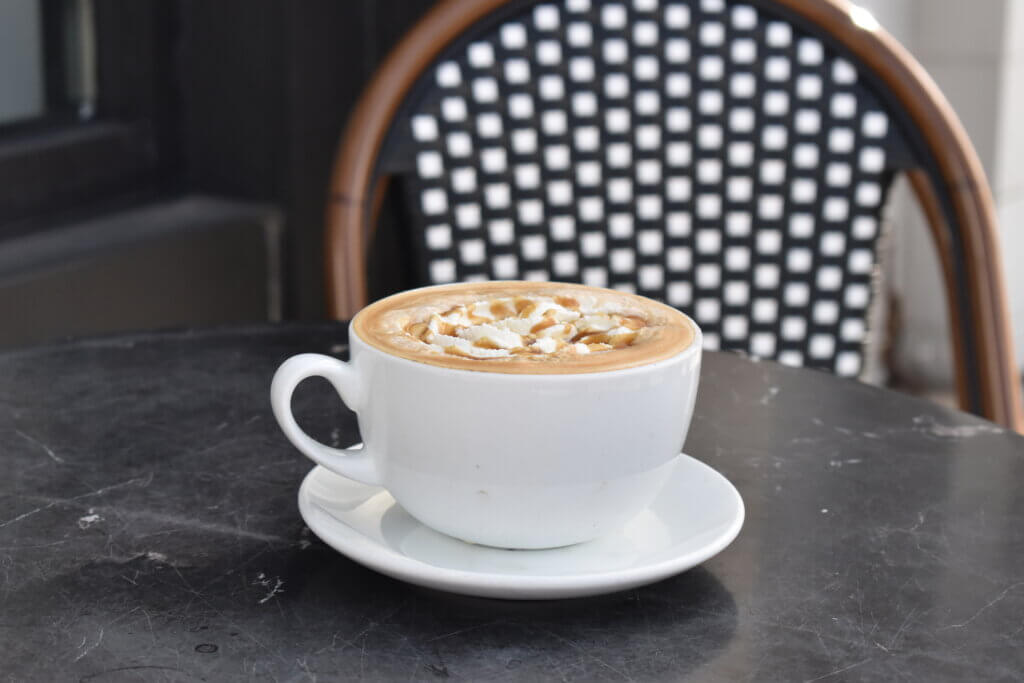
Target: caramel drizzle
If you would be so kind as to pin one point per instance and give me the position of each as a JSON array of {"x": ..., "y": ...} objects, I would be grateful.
[
  {"x": 526, "y": 351},
  {"x": 633, "y": 322},
  {"x": 524, "y": 307},
  {"x": 418, "y": 330},
  {"x": 456, "y": 351},
  {"x": 545, "y": 323},
  {"x": 500, "y": 310},
  {"x": 567, "y": 302},
  {"x": 616, "y": 341}
]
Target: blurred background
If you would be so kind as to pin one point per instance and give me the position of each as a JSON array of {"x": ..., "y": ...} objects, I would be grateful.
[{"x": 164, "y": 163}]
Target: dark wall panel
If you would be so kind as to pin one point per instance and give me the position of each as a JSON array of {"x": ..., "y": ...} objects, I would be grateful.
[{"x": 267, "y": 86}]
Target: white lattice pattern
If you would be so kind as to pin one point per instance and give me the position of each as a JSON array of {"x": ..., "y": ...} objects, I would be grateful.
[{"x": 701, "y": 153}]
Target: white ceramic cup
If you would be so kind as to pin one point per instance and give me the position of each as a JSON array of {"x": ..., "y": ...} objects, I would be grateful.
[{"x": 505, "y": 460}]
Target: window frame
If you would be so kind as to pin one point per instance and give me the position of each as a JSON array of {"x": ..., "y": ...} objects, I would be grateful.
[{"x": 59, "y": 162}]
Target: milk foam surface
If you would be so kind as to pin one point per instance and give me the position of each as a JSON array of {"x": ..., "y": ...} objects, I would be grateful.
[
  {"x": 528, "y": 325},
  {"x": 520, "y": 327}
]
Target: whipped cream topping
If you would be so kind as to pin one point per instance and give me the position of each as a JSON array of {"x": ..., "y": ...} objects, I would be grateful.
[{"x": 528, "y": 325}]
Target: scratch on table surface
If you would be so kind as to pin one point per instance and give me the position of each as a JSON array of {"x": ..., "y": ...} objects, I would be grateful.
[
  {"x": 576, "y": 646},
  {"x": 1015, "y": 632},
  {"x": 304, "y": 665},
  {"x": 274, "y": 652},
  {"x": 821, "y": 642},
  {"x": 86, "y": 650},
  {"x": 894, "y": 641},
  {"x": 849, "y": 461},
  {"x": 182, "y": 523},
  {"x": 984, "y": 607},
  {"x": 276, "y": 589},
  {"x": 838, "y": 671},
  {"x": 179, "y": 523},
  {"x": 371, "y": 626},
  {"x": 29, "y": 513},
  {"x": 149, "y": 623},
  {"x": 86, "y": 521},
  {"x": 49, "y": 451},
  {"x": 51, "y": 502},
  {"x": 440, "y": 670},
  {"x": 137, "y": 667},
  {"x": 465, "y": 630},
  {"x": 928, "y": 425}
]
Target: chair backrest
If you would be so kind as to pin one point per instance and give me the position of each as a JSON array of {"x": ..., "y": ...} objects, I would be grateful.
[{"x": 730, "y": 158}]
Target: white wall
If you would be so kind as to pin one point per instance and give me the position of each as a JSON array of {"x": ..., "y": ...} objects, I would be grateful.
[
  {"x": 1008, "y": 172},
  {"x": 21, "y": 60}
]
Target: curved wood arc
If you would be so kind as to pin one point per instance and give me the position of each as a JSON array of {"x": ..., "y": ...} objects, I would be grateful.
[{"x": 351, "y": 217}]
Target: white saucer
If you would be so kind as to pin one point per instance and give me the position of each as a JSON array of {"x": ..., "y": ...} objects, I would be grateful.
[{"x": 696, "y": 515}]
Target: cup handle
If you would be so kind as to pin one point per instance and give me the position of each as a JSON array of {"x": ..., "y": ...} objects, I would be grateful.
[{"x": 353, "y": 463}]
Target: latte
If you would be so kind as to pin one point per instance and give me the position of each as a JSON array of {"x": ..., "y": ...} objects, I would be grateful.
[{"x": 524, "y": 327}]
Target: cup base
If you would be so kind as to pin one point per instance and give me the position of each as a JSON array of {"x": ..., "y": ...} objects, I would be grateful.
[{"x": 528, "y": 517}]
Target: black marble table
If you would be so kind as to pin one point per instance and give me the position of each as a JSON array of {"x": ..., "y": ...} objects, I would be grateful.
[{"x": 149, "y": 531}]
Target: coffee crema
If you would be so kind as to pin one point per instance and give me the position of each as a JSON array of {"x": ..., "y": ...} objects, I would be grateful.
[{"x": 524, "y": 327}]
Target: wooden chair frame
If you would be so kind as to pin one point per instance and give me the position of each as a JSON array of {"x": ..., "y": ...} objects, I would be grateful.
[{"x": 954, "y": 192}]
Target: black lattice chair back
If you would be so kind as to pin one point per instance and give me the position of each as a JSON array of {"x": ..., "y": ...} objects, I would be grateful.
[{"x": 707, "y": 153}]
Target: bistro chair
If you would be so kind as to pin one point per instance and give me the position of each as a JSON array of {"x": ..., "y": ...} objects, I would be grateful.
[{"x": 729, "y": 158}]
